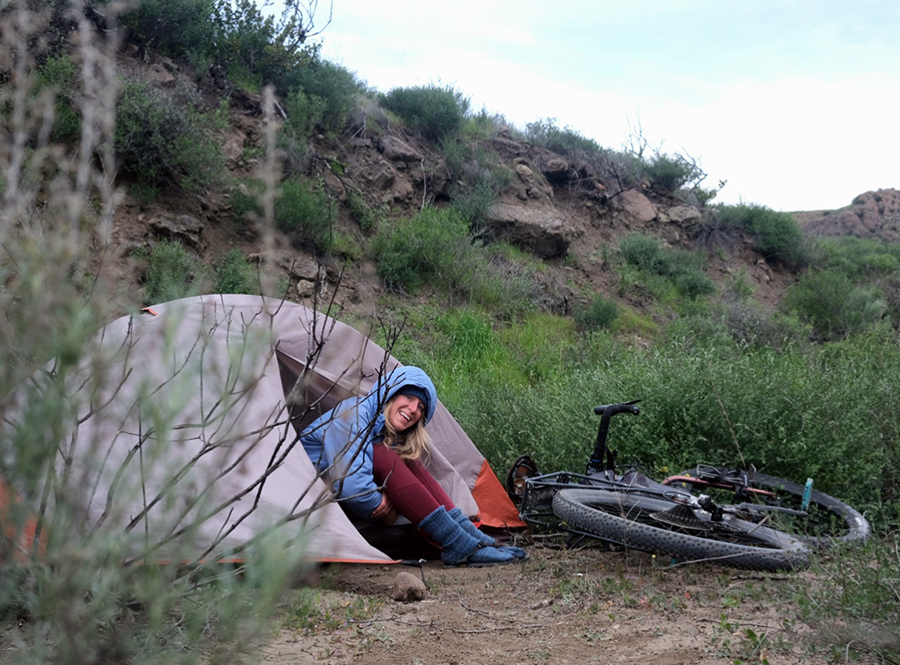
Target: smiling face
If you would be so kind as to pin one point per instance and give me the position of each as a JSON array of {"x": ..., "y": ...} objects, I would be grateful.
[{"x": 404, "y": 411}]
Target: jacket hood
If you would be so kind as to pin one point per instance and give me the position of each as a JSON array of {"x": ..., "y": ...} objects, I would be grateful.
[{"x": 391, "y": 384}]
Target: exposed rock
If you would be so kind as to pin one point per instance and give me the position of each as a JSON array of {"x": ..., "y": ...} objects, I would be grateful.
[
  {"x": 582, "y": 168},
  {"x": 532, "y": 187},
  {"x": 407, "y": 588},
  {"x": 556, "y": 169},
  {"x": 398, "y": 150},
  {"x": 184, "y": 228},
  {"x": 382, "y": 178},
  {"x": 161, "y": 76},
  {"x": 401, "y": 191},
  {"x": 635, "y": 205},
  {"x": 871, "y": 215},
  {"x": 233, "y": 148},
  {"x": 359, "y": 142},
  {"x": 538, "y": 230},
  {"x": 685, "y": 215}
]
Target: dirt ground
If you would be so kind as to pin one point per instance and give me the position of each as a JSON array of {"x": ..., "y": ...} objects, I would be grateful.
[{"x": 560, "y": 606}]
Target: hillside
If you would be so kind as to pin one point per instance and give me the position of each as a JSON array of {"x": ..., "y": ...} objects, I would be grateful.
[
  {"x": 555, "y": 207},
  {"x": 874, "y": 215}
]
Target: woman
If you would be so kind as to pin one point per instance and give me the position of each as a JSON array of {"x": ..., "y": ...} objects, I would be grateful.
[{"x": 372, "y": 447}]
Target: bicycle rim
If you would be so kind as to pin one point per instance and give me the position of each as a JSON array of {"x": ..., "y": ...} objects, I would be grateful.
[{"x": 653, "y": 525}]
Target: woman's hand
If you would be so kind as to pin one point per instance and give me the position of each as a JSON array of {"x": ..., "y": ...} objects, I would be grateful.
[{"x": 385, "y": 511}]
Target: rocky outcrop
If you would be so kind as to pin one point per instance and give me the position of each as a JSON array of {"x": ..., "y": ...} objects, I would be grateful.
[
  {"x": 537, "y": 229},
  {"x": 871, "y": 215},
  {"x": 635, "y": 205},
  {"x": 185, "y": 229}
]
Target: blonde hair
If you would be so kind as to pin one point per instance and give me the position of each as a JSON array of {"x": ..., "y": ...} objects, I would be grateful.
[{"x": 410, "y": 444}]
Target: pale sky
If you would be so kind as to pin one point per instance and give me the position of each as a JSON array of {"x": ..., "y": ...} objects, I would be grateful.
[{"x": 795, "y": 103}]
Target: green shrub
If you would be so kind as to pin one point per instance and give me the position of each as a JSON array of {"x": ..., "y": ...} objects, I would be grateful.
[
  {"x": 833, "y": 305},
  {"x": 172, "y": 273},
  {"x": 233, "y": 274},
  {"x": 304, "y": 211},
  {"x": 333, "y": 87},
  {"x": 598, "y": 314},
  {"x": 564, "y": 141},
  {"x": 644, "y": 252},
  {"x": 776, "y": 234},
  {"x": 859, "y": 257},
  {"x": 680, "y": 268},
  {"x": 246, "y": 200},
  {"x": 305, "y": 113},
  {"x": 670, "y": 173},
  {"x": 161, "y": 142},
  {"x": 428, "y": 247},
  {"x": 483, "y": 126},
  {"x": 434, "y": 249},
  {"x": 178, "y": 28},
  {"x": 246, "y": 43},
  {"x": 437, "y": 112},
  {"x": 717, "y": 403},
  {"x": 60, "y": 75},
  {"x": 367, "y": 216},
  {"x": 479, "y": 176}
]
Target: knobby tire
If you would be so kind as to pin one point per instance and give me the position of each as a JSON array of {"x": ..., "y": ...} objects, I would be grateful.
[{"x": 628, "y": 519}]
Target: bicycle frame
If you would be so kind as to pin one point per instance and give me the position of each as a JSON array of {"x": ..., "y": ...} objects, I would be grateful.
[{"x": 536, "y": 506}]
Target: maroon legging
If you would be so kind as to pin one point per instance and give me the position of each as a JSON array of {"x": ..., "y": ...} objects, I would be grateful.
[{"x": 408, "y": 485}]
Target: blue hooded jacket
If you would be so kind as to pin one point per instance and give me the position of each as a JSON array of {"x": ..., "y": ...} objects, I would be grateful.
[{"x": 340, "y": 442}]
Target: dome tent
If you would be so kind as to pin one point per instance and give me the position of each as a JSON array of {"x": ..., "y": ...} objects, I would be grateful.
[{"x": 183, "y": 431}]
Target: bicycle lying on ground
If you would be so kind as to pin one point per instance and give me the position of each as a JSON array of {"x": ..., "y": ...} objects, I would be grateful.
[{"x": 737, "y": 518}]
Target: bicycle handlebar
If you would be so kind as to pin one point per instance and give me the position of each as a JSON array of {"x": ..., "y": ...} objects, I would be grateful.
[{"x": 613, "y": 409}]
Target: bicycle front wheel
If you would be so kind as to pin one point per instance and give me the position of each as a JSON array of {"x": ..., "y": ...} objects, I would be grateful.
[{"x": 664, "y": 527}]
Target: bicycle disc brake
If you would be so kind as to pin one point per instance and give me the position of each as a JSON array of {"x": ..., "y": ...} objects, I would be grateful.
[{"x": 682, "y": 516}]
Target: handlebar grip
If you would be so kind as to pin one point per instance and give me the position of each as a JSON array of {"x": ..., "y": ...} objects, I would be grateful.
[{"x": 613, "y": 409}]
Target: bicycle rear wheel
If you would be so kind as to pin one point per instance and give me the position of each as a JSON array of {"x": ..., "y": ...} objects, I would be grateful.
[
  {"x": 665, "y": 527},
  {"x": 826, "y": 521}
]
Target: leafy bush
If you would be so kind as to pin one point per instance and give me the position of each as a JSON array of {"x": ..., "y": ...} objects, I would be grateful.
[
  {"x": 305, "y": 113},
  {"x": 598, "y": 314},
  {"x": 681, "y": 268},
  {"x": 178, "y": 28},
  {"x": 564, "y": 141},
  {"x": 434, "y": 248},
  {"x": 60, "y": 76},
  {"x": 748, "y": 323},
  {"x": 833, "y": 305},
  {"x": 426, "y": 248},
  {"x": 246, "y": 200},
  {"x": 776, "y": 234},
  {"x": 670, "y": 173},
  {"x": 328, "y": 85},
  {"x": 172, "y": 273},
  {"x": 160, "y": 142},
  {"x": 483, "y": 125},
  {"x": 304, "y": 211},
  {"x": 645, "y": 252},
  {"x": 437, "y": 112},
  {"x": 233, "y": 274},
  {"x": 367, "y": 216},
  {"x": 859, "y": 257},
  {"x": 479, "y": 176}
]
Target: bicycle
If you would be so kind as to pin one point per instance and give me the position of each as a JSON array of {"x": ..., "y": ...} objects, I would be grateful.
[{"x": 732, "y": 517}]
